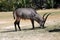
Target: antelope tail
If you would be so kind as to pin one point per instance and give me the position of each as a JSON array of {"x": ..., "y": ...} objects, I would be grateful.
[{"x": 13, "y": 14}]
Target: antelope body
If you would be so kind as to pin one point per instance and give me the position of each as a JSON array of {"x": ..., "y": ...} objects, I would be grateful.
[{"x": 28, "y": 13}]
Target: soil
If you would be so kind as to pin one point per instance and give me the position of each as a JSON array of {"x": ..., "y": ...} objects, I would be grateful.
[{"x": 7, "y": 32}]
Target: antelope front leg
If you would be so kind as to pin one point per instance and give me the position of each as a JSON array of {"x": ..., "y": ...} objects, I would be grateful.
[{"x": 32, "y": 21}]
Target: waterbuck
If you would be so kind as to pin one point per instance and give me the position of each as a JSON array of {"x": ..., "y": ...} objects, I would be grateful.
[{"x": 28, "y": 13}]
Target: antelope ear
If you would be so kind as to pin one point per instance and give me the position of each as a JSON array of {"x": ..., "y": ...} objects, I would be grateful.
[{"x": 46, "y": 17}]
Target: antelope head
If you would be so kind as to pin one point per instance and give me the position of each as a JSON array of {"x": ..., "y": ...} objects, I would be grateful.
[{"x": 44, "y": 18}]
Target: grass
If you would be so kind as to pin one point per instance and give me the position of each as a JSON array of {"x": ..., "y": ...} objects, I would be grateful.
[
  {"x": 53, "y": 11},
  {"x": 5, "y": 15}
]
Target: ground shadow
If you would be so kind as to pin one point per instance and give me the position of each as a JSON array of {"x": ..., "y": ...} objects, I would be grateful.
[
  {"x": 54, "y": 30},
  {"x": 34, "y": 28},
  {"x": 7, "y": 31},
  {"x": 22, "y": 30}
]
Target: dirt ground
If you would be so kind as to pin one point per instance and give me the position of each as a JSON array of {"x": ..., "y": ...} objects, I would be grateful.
[{"x": 51, "y": 32}]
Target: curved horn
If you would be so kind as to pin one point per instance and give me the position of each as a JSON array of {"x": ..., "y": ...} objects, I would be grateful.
[{"x": 46, "y": 17}]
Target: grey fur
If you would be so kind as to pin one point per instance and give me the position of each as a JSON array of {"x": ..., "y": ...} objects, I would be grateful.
[{"x": 28, "y": 13}]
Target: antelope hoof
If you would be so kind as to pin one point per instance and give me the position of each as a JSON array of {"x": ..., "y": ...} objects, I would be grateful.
[
  {"x": 32, "y": 28},
  {"x": 42, "y": 27},
  {"x": 15, "y": 30},
  {"x": 19, "y": 29}
]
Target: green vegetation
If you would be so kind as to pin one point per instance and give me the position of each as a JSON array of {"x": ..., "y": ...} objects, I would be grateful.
[{"x": 9, "y": 5}]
